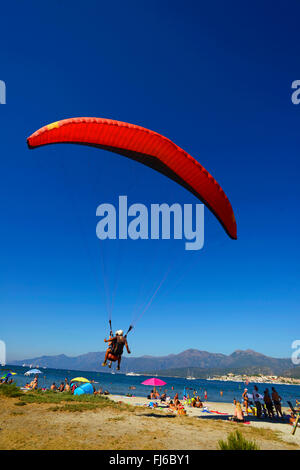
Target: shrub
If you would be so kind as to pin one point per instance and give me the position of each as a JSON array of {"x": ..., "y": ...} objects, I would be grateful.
[
  {"x": 10, "y": 390},
  {"x": 236, "y": 441}
]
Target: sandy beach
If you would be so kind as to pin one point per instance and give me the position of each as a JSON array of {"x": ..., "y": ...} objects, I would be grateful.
[
  {"x": 283, "y": 429},
  {"x": 116, "y": 426}
]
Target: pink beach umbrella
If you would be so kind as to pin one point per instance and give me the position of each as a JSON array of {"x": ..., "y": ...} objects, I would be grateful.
[{"x": 154, "y": 382}]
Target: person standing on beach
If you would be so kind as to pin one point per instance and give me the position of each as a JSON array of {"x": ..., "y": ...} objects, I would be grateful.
[
  {"x": 205, "y": 395},
  {"x": 246, "y": 400},
  {"x": 268, "y": 403},
  {"x": 277, "y": 402},
  {"x": 256, "y": 399}
]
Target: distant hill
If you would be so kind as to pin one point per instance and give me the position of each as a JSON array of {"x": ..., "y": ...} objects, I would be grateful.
[{"x": 199, "y": 363}]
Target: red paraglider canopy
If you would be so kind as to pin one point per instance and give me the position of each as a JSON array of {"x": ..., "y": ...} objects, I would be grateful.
[{"x": 147, "y": 147}]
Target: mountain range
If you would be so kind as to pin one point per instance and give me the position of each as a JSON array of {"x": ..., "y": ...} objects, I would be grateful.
[{"x": 200, "y": 363}]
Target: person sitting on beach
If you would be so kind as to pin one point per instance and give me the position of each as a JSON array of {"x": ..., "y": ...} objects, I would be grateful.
[
  {"x": 198, "y": 403},
  {"x": 163, "y": 397},
  {"x": 61, "y": 387},
  {"x": 33, "y": 384},
  {"x": 238, "y": 414},
  {"x": 114, "y": 352},
  {"x": 172, "y": 405},
  {"x": 277, "y": 402},
  {"x": 67, "y": 387},
  {"x": 175, "y": 405},
  {"x": 53, "y": 387}
]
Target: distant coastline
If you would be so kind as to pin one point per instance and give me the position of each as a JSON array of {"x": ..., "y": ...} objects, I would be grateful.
[{"x": 258, "y": 379}]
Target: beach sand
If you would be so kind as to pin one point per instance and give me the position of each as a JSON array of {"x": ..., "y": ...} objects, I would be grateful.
[
  {"x": 45, "y": 426},
  {"x": 283, "y": 429}
]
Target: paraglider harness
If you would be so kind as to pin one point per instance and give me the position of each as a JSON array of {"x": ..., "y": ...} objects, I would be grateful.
[{"x": 116, "y": 349}]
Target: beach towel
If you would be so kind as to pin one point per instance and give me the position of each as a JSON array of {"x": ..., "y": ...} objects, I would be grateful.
[{"x": 219, "y": 412}]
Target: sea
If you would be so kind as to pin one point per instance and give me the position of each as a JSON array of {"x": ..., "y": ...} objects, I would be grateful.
[{"x": 120, "y": 384}]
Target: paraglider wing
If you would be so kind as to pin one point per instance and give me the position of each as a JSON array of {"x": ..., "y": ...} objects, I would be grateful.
[{"x": 147, "y": 147}]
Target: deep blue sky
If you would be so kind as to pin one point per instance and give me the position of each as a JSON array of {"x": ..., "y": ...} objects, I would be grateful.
[{"x": 215, "y": 77}]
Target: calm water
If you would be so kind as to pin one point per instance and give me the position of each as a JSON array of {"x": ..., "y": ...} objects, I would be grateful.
[{"x": 120, "y": 383}]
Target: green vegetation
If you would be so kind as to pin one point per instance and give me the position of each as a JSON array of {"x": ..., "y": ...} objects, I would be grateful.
[
  {"x": 70, "y": 402},
  {"x": 236, "y": 441},
  {"x": 95, "y": 401},
  {"x": 11, "y": 391}
]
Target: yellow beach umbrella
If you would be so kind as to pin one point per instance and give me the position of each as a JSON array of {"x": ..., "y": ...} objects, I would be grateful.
[{"x": 80, "y": 379}]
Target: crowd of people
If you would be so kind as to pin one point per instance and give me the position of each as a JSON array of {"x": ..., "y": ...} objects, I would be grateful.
[
  {"x": 175, "y": 404},
  {"x": 71, "y": 387},
  {"x": 261, "y": 406},
  {"x": 265, "y": 405}
]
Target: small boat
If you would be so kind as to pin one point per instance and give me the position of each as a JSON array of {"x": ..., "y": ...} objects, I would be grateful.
[
  {"x": 190, "y": 377},
  {"x": 132, "y": 374}
]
